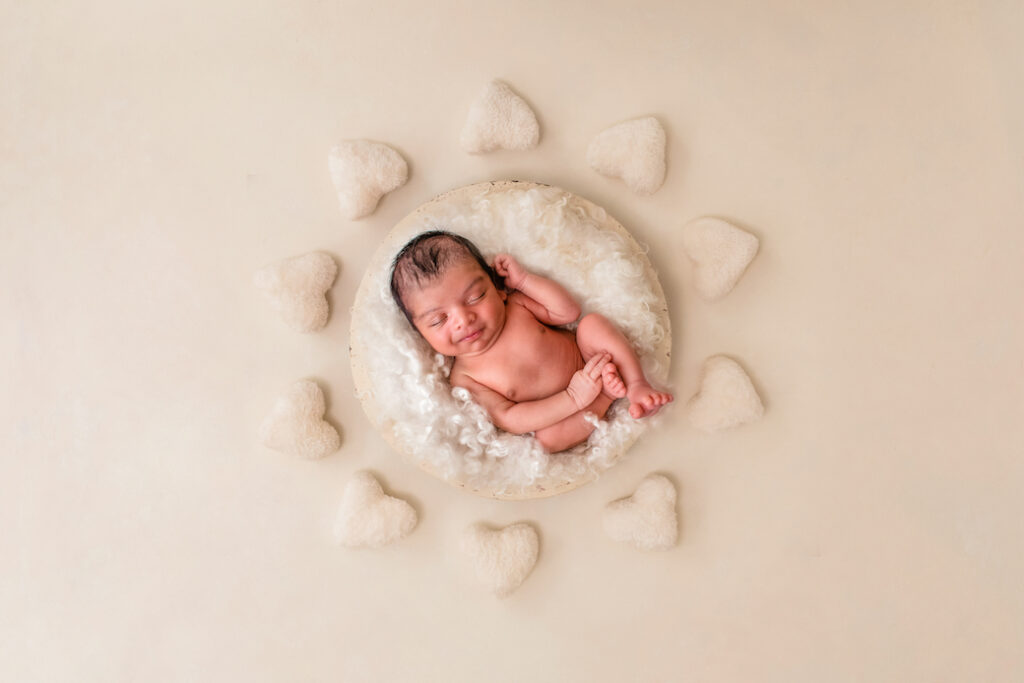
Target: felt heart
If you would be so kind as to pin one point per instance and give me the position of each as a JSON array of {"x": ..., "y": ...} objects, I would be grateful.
[
  {"x": 647, "y": 519},
  {"x": 296, "y": 288},
  {"x": 363, "y": 172},
  {"x": 295, "y": 425},
  {"x": 633, "y": 151},
  {"x": 501, "y": 558},
  {"x": 727, "y": 397},
  {"x": 720, "y": 253},
  {"x": 369, "y": 518},
  {"x": 499, "y": 119}
]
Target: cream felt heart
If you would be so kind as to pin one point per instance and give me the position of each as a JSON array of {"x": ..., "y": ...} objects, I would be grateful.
[
  {"x": 720, "y": 253},
  {"x": 296, "y": 426},
  {"x": 633, "y": 151},
  {"x": 647, "y": 519},
  {"x": 499, "y": 119},
  {"x": 727, "y": 397},
  {"x": 369, "y": 518},
  {"x": 501, "y": 558},
  {"x": 296, "y": 289},
  {"x": 363, "y": 172}
]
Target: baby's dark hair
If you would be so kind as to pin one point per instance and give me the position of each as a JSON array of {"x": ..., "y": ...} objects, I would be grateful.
[{"x": 425, "y": 258}]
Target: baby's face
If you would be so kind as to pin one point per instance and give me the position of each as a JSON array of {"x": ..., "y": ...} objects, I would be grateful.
[{"x": 461, "y": 313}]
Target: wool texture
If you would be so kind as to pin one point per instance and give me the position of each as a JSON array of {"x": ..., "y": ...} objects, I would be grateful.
[
  {"x": 499, "y": 119},
  {"x": 726, "y": 398},
  {"x": 368, "y": 517},
  {"x": 296, "y": 426},
  {"x": 296, "y": 288},
  {"x": 720, "y": 253},
  {"x": 647, "y": 519},
  {"x": 501, "y": 558},
  {"x": 363, "y": 172},
  {"x": 633, "y": 151},
  {"x": 443, "y": 430}
]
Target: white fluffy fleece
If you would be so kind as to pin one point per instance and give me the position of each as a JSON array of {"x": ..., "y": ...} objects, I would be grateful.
[
  {"x": 363, "y": 172},
  {"x": 368, "y": 517},
  {"x": 499, "y": 119},
  {"x": 296, "y": 423},
  {"x": 633, "y": 151},
  {"x": 720, "y": 252},
  {"x": 501, "y": 558},
  {"x": 296, "y": 288},
  {"x": 647, "y": 519},
  {"x": 553, "y": 233},
  {"x": 727, "y": 397}
]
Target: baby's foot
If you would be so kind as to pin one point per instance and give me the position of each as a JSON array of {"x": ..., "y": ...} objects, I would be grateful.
[
  {"x": 644, "y": 400},
  {"x": 614, "y": 387}
]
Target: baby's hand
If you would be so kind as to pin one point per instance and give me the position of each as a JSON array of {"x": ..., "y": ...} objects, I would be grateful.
[
  {"x": 507, "y": 267},
  {"x": 586, "y": 384}
]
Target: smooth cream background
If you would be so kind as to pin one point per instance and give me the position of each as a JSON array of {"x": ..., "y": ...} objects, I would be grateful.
[{"x": 154, "y": 155}]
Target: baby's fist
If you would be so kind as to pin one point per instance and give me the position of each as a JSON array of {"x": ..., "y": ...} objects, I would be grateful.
[{"x": 506, "y": 266}]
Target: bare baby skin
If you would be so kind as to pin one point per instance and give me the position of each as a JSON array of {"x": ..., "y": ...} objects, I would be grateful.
[{"x": 510, "y": 355}]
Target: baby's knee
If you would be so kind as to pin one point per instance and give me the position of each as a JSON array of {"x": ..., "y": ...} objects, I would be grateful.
[
  {"x": 591, "y": 322},
  {"x": 591, "y": 333}
]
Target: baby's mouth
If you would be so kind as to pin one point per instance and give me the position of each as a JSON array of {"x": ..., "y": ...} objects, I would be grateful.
[{"x": 472, "y": 336}]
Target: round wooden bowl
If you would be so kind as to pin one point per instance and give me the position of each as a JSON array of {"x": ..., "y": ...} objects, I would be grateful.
[{"x": 361, "y": 356}]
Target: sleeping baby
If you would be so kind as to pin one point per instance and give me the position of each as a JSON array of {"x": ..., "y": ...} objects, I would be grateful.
[{"x": 500, "y": 323}]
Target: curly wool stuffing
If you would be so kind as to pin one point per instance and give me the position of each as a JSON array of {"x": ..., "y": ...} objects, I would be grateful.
[{"x": 555, "y": 234}]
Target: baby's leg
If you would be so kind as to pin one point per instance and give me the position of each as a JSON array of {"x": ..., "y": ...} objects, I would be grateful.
[
  {"x": 574, "y": 429},
  {"x": 595, "y": 334}
]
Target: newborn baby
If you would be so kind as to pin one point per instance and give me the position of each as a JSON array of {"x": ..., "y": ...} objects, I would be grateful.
[{"x": 499, "y": 323}]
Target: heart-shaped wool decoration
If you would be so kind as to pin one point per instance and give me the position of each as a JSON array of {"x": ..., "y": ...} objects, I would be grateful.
[
  {"x": 369, "y": 518},
  {"x": 633, "y": 151},
  {"x": 727, "y": 397},
  {"x": 499, "y": 119},
  {"x": 296, "y": 426},
  {"x": 296, "y": 288},
  {"x": 501, "y": 558},
  {"x": 647, "y": 519},
  {"x": 720, "y": 252},
  {"x": 363, "y": 172}
]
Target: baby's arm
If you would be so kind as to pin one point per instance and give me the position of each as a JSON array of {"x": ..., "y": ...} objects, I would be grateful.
[
  {"x": 574, "y": 429},
  {"x": 529, "y": 416},
  {"x": 546, "y": 299}
]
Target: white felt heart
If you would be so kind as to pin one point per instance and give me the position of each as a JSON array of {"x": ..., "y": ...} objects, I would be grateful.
[
  {"x": 633, "y": 151},
  {"x": 499, "y": 119},
  {"x": 296, "y": 288},
  {"x": 369, "y": 518},
  {"x": 363, "y": 172},
  {"x": 296, "y": 426},
  {"x": 647, "y": 519},
  {"x": 727, "y": 397},
  {"x": 720, "y": 253},
  {"x": 501, "y": 558}
]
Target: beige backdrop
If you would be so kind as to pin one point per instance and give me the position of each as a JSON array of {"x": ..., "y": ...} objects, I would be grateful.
[{"x": 154, "y": 154}]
